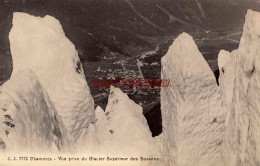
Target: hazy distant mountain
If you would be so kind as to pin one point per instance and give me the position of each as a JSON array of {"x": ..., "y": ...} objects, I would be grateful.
[{"x": 124, "y": 25}]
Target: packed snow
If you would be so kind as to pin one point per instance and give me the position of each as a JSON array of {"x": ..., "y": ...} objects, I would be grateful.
[
  {"x": 41, "y": 45},
  {"x": 192, "y": 112},
  {"x": 223, "y": 58},
  {"x": 204, "y": 124},
  {"x": 122, "y": 129},
  {"x": 226, "y": 90},
  {"x": 29, "y": 120},
  {"x": 240, "y": 83}
]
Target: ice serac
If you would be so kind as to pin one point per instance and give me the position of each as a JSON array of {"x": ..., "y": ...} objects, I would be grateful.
[
  {"x": 41, "y": 45},
  {"x": 193, "y": 114},
  {"x": 224, "y": 57},
  {"x": 122, "y": 129},
  {"x": 28, "y": 119},
  {"x": 240, "y": 86}
]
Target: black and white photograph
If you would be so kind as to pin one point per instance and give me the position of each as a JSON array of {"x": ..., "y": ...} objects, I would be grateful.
[{"x": 129, "y": 82}]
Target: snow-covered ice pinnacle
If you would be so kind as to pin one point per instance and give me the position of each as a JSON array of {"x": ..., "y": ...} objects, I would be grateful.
[
  {"x": 249, "y": 42},
  {"x": 28, "y": 119},
  {"x": 192, "y": 113},
  {"x": 185, "y": 49},
  {"x": 190, "y": 135},
  {"x": 223, "y": 58},
  {"x": 122, "y": 129},
  {"x": 127, "y": 126},
  {"x": 41, "y": 45},
  {"x": 240, "y": 84}
]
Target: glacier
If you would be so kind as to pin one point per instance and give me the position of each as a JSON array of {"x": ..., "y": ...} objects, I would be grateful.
[
  {"x": 46, "y": 106},
  {"x": 41, "y": 45}
]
